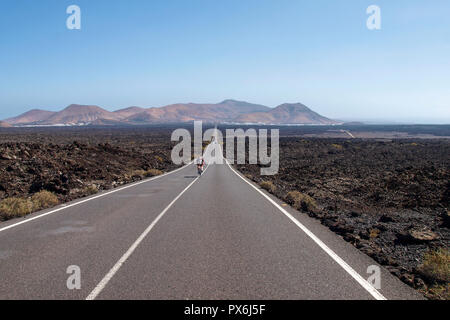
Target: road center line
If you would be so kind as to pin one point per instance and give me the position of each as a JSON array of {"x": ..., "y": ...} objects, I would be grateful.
[
  {"x": 366, "y": 285},
  {"x": 102, "y": 284},
  {"x": 65, "y": 206}
]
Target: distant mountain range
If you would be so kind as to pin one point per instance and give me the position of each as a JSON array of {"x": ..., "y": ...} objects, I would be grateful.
[{"x": 228, "y": 111}]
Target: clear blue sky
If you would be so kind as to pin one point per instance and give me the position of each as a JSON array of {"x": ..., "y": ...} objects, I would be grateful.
[{"x": 158, "y": 52}]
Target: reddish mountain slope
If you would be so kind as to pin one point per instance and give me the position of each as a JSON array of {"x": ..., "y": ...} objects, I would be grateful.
[
  {"x": 128, "y": 112},
  {"x": 31, "y": 116},
  {"x": 287, "y": 113},
  {"x": 76, "y": 114},
  {"x": 4, "y": 124},
  {"x": 227, "y": 110}
]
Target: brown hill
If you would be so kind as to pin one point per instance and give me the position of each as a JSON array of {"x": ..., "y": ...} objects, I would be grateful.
[
  {"x": 175, "y": 113},
  {"x": 4, "y": 124},
  {"x": 77, "y": 114},
  {"x": 31, "y": 116},
  {"x": 241, "y": 107},
  {"x": 128, "y": 112},
  {"x": 225, "y": 111},
  {"x": 288, "y": 113}
]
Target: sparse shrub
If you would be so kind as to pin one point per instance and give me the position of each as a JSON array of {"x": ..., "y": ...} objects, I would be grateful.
[
  {"x": 152, "y": 173},
  {"x": 91, "y": 189},
  {"x": 374, "y": 233},
  {"x": 44, "y": 199},
  {"x": 436, "y": 265},
  {"x": 15, "y": 207},
  {"x": 441, "y": 291},
  {"x": 268, "y": 185},
  {"x": 301, "y": 201},
  {"x": 337, "y": 146},
  {"x": 138, "y": 173}
]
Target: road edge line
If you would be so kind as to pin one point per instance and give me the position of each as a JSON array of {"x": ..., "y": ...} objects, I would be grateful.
[
  {"x": 92, "y": 198},
  {"x": 355, "y": 275}
]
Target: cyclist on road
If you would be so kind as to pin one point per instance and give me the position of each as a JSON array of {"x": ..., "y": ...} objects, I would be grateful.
[{"x": 200, "y": 162}]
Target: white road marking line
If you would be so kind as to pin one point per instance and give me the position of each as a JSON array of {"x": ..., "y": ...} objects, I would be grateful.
[
  {"x": 369, "y": 288},
  {"x": 65, "y": 206},
  {"x": 102, "y": 284},
  {"x": 349, "y": 133}
]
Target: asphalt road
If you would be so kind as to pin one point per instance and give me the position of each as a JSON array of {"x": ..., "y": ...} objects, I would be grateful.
[{"x": 183, "y": 237}]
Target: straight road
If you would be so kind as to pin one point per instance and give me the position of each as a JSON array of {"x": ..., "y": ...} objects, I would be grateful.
[{"x": 184, "y": 237}]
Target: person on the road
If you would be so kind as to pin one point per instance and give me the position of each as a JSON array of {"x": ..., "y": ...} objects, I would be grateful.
[{"x": 200, "y": 164}]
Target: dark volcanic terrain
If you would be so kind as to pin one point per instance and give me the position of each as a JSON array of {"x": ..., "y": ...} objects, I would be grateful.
[
  {"x": 389, "y": 198},
  {"x": 75, "y": 162}
]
